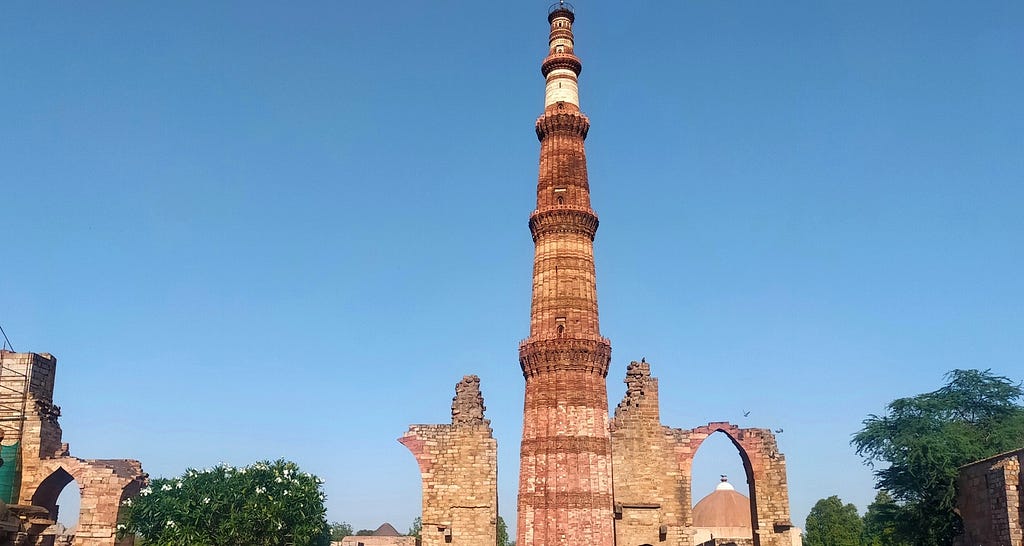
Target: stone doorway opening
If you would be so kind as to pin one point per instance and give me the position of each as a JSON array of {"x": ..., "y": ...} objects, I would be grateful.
[
  {"x": 721, "y": 489},
  {"x": 61, "y": 495}
]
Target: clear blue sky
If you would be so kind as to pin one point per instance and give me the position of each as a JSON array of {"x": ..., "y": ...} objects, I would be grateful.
[{"x": 250, "y": 230}]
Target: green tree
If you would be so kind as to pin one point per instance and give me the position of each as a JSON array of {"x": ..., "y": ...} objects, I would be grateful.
[
  {"x": 416, "y": 528},
  {"x": 921, "y": 441},
  {"x": 502, "y": 532},
  {"x": 340, "y": 530},
  {"x": 830, "y": 523},
  {"x": 881, "y": 521},
  {"x": 265, "y": 504}
]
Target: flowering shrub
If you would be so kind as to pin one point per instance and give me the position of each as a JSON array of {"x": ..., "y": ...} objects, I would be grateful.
[{"x": 264, "y": 504}]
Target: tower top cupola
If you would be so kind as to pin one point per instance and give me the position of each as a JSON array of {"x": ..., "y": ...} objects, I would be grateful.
[{"x": 561, "y": 9}]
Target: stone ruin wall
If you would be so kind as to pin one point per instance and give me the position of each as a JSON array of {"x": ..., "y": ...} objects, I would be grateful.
[
  {"x": 459, "y": 467},
  {"x": 647, "y": 480},
  {"x": 991, "y": 501},
  {"x": 652, "y": 472},
  {"x": 353, "y": 540},
  {"x": 30, "y": 417}
]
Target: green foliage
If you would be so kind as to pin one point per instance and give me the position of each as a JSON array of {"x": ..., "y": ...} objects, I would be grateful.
[
  {"x": 265, "y": 504},
  {"x": 340, "y": 530},
  {"x": 830, "y": 523},
  {"x": 921, "y": 441},
  {"x": 364, "y": 533},
  {"x": 502, "y": 532},
  {"x": 416, "y": 528},
  {"x": 880, "y": 522}
]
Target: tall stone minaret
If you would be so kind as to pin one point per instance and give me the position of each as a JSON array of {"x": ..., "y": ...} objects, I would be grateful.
[{"x": 565, "y": 480}]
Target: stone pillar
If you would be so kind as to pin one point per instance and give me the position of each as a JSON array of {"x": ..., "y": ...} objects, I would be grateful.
[{"x": 458, "y": 464}]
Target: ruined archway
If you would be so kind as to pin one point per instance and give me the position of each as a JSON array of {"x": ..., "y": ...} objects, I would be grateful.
[
  {"x": 44, "y": 463},
  {"x": 103, "y": 485},
  {"x": 48, "y": 495},
  {"x": 765, "y": 470},
  {"x": 721, "y": 491},
  {"x": 50, "y": 488}
]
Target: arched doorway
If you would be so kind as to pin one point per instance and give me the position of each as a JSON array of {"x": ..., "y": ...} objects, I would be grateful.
[
  {"x": 59, "y": 490},
  {"x": 49, "y": 490},
  {"x": 69, "y": 506},
  {"x": 765, "y": 470},
  {"x": 720, "y": 492}
]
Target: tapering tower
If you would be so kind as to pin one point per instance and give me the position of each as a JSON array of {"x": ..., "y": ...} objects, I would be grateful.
[{"x": 565, "y": 476}]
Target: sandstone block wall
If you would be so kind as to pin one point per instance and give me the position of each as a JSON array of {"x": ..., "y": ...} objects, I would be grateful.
[
  {"x": 990, "y": 501},
  {"x": 652, "y": 467},
  {"x": 458, "y": 464},
  {"x": 28, "y": 416},
  {"x": 648, "y": 483}
]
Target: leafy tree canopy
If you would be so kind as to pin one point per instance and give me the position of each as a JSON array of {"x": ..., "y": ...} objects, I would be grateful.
[
  {"x": 917, "y": 447},
  {"x": 831, "y": 523},
  {"x": 880, "y": 522},
  {"x": 265, "y": 504},
  {"x": 502, "y": 532},
  {"x": 340, "y": 530}
]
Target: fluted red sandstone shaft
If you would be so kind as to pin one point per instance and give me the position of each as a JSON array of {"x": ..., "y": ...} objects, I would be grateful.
[{"x": 565, "y": 479}]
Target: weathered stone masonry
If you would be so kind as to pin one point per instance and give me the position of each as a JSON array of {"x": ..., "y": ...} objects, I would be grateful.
[
  {"x": 29, "y": 417},
  {"x": 652, "y": 472},
  {"x": 458, "y": 463},
  {"x": 990, "y": 499},
  {"x": 585, "y": 479},
  {"x": 565, "y": 456}
]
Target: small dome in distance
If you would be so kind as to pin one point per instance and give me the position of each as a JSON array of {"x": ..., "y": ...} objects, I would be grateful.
[{"x": 724, "y": 507}]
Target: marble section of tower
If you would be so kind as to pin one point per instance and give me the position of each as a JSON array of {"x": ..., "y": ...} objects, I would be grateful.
[{"x": 565, "y": 480}]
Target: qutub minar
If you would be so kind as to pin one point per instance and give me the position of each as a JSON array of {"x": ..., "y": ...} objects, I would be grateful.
[{"x": 585, "y": 478}]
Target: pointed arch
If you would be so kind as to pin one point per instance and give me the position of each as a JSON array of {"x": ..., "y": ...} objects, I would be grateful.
[
  {"x": 49, "y": 489},
  {"x": 765, "y": 468}
]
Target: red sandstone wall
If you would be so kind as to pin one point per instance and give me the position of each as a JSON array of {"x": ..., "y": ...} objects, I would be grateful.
[{"x": 990, "y": 503}]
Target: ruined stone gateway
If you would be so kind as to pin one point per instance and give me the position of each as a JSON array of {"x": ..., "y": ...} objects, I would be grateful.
[
  {"x": 37, "y": 465},
  {"x": 585, "y": 479}
]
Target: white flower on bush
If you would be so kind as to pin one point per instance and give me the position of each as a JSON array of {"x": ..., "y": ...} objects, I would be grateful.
[
  {"x": 145, "y": 491},
  {"x": 170, "y": 523},
  {"x": 206, "y": 500},
  {"x": 166, "y": 487}
]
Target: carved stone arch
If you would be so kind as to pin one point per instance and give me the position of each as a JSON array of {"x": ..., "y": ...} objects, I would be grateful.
[
  {"x": 766, "y": 475},
  {"x": 736, "y": 436},
  {"x": 49, "y": 489},
  {"x": 103, "y": 485}
]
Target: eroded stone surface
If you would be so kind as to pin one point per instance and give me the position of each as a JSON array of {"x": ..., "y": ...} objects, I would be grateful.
[
  {"x": 29, "y": 416},
  {"x": 459, "y": 467},
  {"x": 990, "y": 501}
]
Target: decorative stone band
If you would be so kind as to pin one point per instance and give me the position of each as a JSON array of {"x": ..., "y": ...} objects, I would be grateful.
[
  {"x": 560, "y": 34},
  {"x": 563, "y": 219},
  {"x": 568, "y": 499},
  {"x": 566, "y": 61},
  {"x": 566, "y": 444},
  {"x": 589, "y": 354},
  {"x": 562, "y": 122}
]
